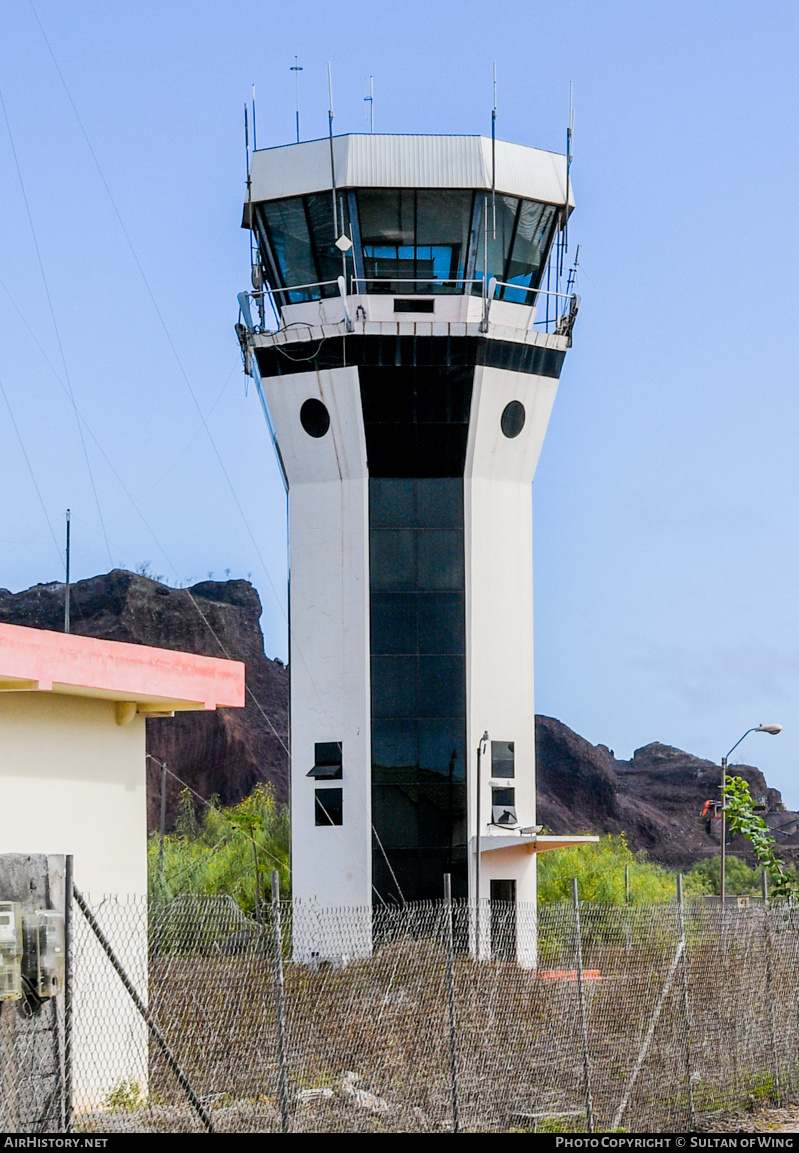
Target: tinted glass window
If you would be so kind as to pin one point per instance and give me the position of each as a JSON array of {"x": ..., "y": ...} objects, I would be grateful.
[
  {"x": 418, "y": 685},
  {"x": 513, "y": 417},
  {"x": 287, "y": 230},
  {"x": 414, "y": 235},
  {"x": 502, "y": 759},
  {"x": 518, "y": 254},
  {"x": 329, "y": 806},
  {"x": 301, "y": 235},
  {"x": 416, "y": 422},
  {"x": 314, "y": 417}
]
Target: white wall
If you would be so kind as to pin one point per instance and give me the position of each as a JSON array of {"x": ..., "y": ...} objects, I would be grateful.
[
  {"x": 329, "y": 646},
  {"x": 73, "y": 781},
  {"x": 499, "y": 601}
]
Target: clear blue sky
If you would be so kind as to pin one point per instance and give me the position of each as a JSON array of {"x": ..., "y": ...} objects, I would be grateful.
[{"x": 665, "y": 501}]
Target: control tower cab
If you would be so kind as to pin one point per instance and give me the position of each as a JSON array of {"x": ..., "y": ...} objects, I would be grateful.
[{"x": 406, "y": 333}]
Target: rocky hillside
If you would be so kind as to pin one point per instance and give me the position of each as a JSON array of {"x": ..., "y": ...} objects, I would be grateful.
[{"x": 655, "y": 798}]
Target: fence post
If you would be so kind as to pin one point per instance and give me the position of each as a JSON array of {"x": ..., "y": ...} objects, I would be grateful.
[
  {"x": 685, "y": 1004},
  {"x": 68, "y": 983},
  {"x": 775, "y": 1063},
  {"x": 283, "y": 1084},
  {"x": 578, "y": 950},
  {"x": 453, "y": 1052}
]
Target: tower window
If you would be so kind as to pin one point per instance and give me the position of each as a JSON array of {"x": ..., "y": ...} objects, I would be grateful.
[
  {"x": 503, "y": 807},
  {"x": 329, "y": 806},
  {"x": 502, "y": 759},
  {"x": 327, "y": 761},
  {"x": 512, "y": 421},
  {"x": 314, "y": 417}
]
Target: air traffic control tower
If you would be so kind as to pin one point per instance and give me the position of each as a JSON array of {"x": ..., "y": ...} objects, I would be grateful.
[{"x": 406, "y": 337}]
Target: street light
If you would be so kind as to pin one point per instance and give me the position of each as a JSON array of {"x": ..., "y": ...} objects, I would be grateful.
[{"x": 773, "y": 729}]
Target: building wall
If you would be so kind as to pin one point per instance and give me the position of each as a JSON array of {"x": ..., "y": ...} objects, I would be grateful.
[
  {"x": 73, "y": 781},
  {"x": 329, "y": 636},
  {"x": 499, "y": 597}
]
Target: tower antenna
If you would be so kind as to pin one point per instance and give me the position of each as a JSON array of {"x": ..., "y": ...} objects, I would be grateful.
[
  {"x": 330, "y": 115},
  {"x": 249, "y": 179},
  {"x": 66, "y": 583},
  {"x": 370, "y": 99},
  {"x": 569, "y": 131},
  {"x": 297, "y": 69},
  {"x": 494, "y": 154},
  {"x": 254, "y": 137}
]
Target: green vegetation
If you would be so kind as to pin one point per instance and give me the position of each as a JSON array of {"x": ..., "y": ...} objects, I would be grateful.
[
  {"x": 599, "y": 869},
  {"x": 600, "y": 873},
  {"x": 233, "y": 851},
  {"x": 228, "y": 851},
  {"x": 742, "y": 819}
]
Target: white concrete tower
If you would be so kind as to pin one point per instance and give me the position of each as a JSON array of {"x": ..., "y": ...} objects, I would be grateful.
[{"x": 407, "y": 355}]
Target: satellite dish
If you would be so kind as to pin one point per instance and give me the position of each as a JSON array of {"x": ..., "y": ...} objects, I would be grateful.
[{"x": 343, "y": 244}]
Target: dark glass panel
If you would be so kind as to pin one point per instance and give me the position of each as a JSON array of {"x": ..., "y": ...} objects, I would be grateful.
[
  {"x": 531, "y": 242},
  {"x": 441, "y": 687},
  {"x": 502, "y": 759},
  {"x": 394, "y": 689},
  {"x": 328, "y": 753},
  {"x": 395, "y": 744},
  {"x": 442, "y": 222},
  {"x": 392, "y": 559},
  {"x": 386, "y": 216},
  {"x": 314, "y": 417},
  {"x": 441, "y": 747},
  {"x": 414, "y": 235},
  {"x": 329, "y": 806},
  {"x": 503, "y": 797},
  {"x": 499, "y": 247},
  {"x": 320, "y": 216},
  {"x": 394, "y": 626},
  {"x": 439, "y": 502},
  {"x": 440, "y": 623},
  {"x": 392, "y": 502},
  {"x": 287, "y": 227},
  {"x": 513, "y": 417},
  {"x": 440, "y": 563}
]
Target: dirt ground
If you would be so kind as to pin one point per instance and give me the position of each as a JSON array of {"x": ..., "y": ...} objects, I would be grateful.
[{"x": 760, "y": 1121}]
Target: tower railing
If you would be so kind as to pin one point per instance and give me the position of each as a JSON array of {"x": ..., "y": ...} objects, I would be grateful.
[{"x": 545, "y": 311}]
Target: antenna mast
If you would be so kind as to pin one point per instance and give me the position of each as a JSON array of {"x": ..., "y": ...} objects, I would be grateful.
[
  {"x": 494, "y": 153},
  {"x": 297, "y": 69},
  {"x": 370, "y": 100},
  {"x": 254, "y": 138},
  {"x": 66, "y": 583},
  {"x": 332, "y": 163},
  {"x": 569, "y": 131}
]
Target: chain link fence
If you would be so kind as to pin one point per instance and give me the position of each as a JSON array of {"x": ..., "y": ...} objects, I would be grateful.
[{"x": 628, "y": 1018}]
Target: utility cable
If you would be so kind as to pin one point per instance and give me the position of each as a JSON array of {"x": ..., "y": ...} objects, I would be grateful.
[
  {"x": 183, "y": 373},
  {"x": 30, "y": 470},
  {"x": 55, "y": 326}
]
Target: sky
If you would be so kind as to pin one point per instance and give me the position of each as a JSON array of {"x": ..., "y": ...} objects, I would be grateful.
[{"x": 665, "y": 535}]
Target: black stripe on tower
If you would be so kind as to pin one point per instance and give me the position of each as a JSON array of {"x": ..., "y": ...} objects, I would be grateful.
[{"x": 408, "y": 352}]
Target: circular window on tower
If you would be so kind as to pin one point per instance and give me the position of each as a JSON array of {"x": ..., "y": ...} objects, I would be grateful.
[
  {"x": 315, "y": 418},
  {"x": 512, "y": 421}
]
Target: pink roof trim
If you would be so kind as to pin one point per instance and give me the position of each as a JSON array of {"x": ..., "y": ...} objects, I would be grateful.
[{"x": 35, "y": 659}]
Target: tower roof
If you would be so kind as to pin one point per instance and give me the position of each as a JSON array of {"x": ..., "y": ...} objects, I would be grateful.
[{"x": 379, "y": 161}]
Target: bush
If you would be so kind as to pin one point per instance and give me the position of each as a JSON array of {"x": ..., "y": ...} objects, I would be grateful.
[
  {"x": 599, "y": 869},
  {"x": 229, "y": 851}
]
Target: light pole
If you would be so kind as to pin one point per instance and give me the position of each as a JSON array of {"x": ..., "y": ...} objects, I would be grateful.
[
  {"x": 773, "y": 729},
  {"x": 482, "y": 746}
]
